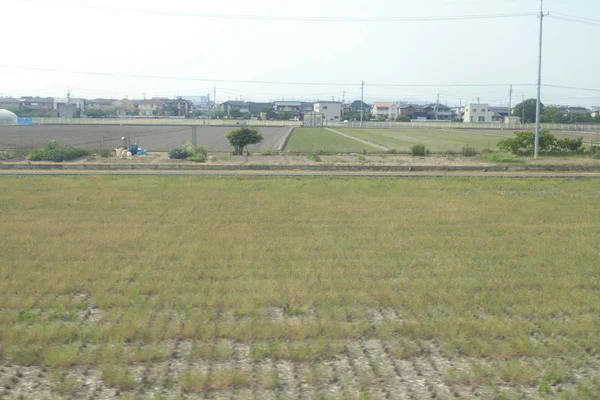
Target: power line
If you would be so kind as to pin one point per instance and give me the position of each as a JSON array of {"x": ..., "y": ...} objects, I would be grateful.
[
  {"x": 576, "y": 21},
  {"x": 109, "y": 74},
  {"x": 573, "y": 88},
  {"x": 576, "y": 17},
  {"x": 303, "y": 19}
]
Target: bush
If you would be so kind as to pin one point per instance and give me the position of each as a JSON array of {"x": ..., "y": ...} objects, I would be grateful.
[
  {"x": 13, "y": 154},
  {"x": 197, "y": 158},
  {"x": 419, "y": 150},
  {"x": 569, "y": 145},
  {"x": 597, "y": 156},
  {"x": 402, "y": 118},
  {"x": 192, "y": 150},
  {"x": 314, "y": 157},
  {"x": 53, "y": 152},
  {"x": 105, "y": 153},
  {"x": 524, "y": 142},
  {"x": 178, "y": 154}
]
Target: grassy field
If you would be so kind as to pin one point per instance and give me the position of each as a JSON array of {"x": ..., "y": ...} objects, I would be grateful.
[
  {"x": 156, "y": 288},
  {"x": 436, "y": 140},
  {"x": 305, "y": 140}
]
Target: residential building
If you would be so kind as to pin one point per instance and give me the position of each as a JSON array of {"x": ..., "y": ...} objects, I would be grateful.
[
  {"x": 439, "y": 112},
  {"x": 388, "y": 110},
  {"x": 229, "y": 105},
  {"x": 124, "y": 108},
  {"x": 10, "y": 103},
  {"x": 355, "y": 106},
  {"x": 177, "y": 107},
  {"x": 331, "y": 110},
  {"x": 42, "y": 104},
  {"x": 478, "y": 113},
  {"x": 256, "y": 107},
  {"x": 68, "y": 107},
  {"x": 152, "y": 107},
  {"x": 101, "y": 104},
  {"x": 296, "y": 109},
  {"x": 415, "y": 111}
]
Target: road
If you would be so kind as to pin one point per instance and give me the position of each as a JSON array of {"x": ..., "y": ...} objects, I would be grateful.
[{"x": 311, "y": 174}]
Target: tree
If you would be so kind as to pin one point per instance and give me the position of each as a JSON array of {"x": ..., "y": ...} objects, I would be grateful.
[
  {"x": 524, "y": 142},
  {"x": 235, "y": 113},
  {"x": 402, "y": 118},
  {"x": 530, "y": 106},
  {"x": 99, "y": 113},
  {"x": 270, "y": 112},
  {"x": 285, "y": 116},
  {"x": 243, "y": 137}
]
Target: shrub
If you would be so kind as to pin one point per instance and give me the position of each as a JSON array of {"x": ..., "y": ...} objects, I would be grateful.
[
  {"x": 419, "y": 150},
  {"x": 105, "y": 153},
  {"x": 362, "y": 158},
  {"x": 597, "y": 156},
  {"x": 468, "y": 151},
  {"x": 314, "y": 157},
  {"x": 243, "y": 137},
  {"x": 192, "y": 150},
  {"x": 53, "y": 152},
  {"x": 197, "y": 158},
  {"x": 178, "y": 154},
  {"x": 524, "y": 142},
  {"x": 403, "y": 118},
  {"x": 569, "y": 145},
  {"x": 13, "y": 154}
]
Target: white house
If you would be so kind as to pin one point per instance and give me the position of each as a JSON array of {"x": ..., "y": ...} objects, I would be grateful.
[
  {"x": 331, "y": 110},
  {"x": 478, "y": 113},
  {"x": 387, "y": 110}
]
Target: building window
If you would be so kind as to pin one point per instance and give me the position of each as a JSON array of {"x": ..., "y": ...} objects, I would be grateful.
[
  {"x": 324, "y": 107},
  {"x": 481, "y": 119},
  {"x": 474, "y": 110}
]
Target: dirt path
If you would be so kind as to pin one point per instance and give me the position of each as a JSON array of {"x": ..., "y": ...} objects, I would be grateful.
[{"x": 359, "y": 140}]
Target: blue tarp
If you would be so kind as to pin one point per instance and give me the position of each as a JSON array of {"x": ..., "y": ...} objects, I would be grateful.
[{"x": 25, "y": 121}]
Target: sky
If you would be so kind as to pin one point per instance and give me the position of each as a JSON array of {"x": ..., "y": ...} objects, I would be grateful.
[{"x": 201, "y": 42}]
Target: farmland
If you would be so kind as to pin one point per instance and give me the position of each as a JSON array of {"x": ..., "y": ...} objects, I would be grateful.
[
  {"x": 305, "y": 140},
  {"x": 150, "y": 287},
  {"x": 155, "y": 138}
]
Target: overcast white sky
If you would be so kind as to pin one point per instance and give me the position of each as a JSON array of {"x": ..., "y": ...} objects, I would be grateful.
[{"x": 88, "y": 35}]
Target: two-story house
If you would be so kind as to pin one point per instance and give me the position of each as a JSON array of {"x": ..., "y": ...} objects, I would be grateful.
[
  {"x": 478, "y": 113},
  {"x": 152, "y": 107},
  {"x": 387, "y": 110},
  {"x": 331, "y": 110}
]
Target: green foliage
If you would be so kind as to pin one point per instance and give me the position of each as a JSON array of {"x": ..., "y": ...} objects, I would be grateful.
[
  {"x": 524, "y": 142},
  {"x": 199, "y": 158},
  {"x": 314, "y": 157},
  {"x": 193, "y": 151},
  {"x": 597, "y": 156},
  {"x": 457, "y": 120},
  {"x": 105, "y": 153},
  {"x": 569, "y": 145},
  {"x": 13, "y": 154},
  {"x": 235, "y": 113},
  {"x": 419, "y": 150},
  {"x": 530, "y": 106},
  {"x": 178, "y": 154},
  {"x": 118, "y": 377},
  {"x": 53, "y": 152},
  {"x": 362, "y": 158},
  {"x": 99, "y": 113},
  {"x": 403, "y": 118},
  {"x": 507, "y": 158},
  {"x": 243, "y": 137}
]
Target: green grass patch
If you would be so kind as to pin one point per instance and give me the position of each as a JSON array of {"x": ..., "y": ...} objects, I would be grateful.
[
  {"x": 314, "y": 140},
  {"x": 294, "y": 269},
  {"x": 437, "y": 140},
  {"x": 505, "y": 158}
]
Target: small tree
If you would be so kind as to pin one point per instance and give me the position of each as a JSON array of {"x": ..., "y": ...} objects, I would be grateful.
[
  {"x": 524, "y": 142},
  {"x": 242, "y": 137}
]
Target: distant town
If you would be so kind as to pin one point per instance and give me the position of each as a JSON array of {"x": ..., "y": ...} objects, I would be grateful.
[{"x": 327, "y": 111}]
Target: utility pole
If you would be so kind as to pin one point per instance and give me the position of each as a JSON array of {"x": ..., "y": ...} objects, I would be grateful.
[
  {"x": 538, "y": 108},
  {"x": 437, "y": 106},
  {"x": 478, "y": 100},
  {"x": 362, "y": 101},
  {"x": 214, "y": 100},
  {"x": 510, "y": 92},
  {"x": 344, "y": 96}
]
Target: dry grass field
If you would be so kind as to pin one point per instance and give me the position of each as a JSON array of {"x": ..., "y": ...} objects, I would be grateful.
[
  {"x": 154, "y": 138},
  {"x": 186, "y": 288}
]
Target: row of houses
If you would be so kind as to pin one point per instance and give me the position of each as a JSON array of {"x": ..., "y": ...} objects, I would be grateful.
[{"x": 76, "y": 107}]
